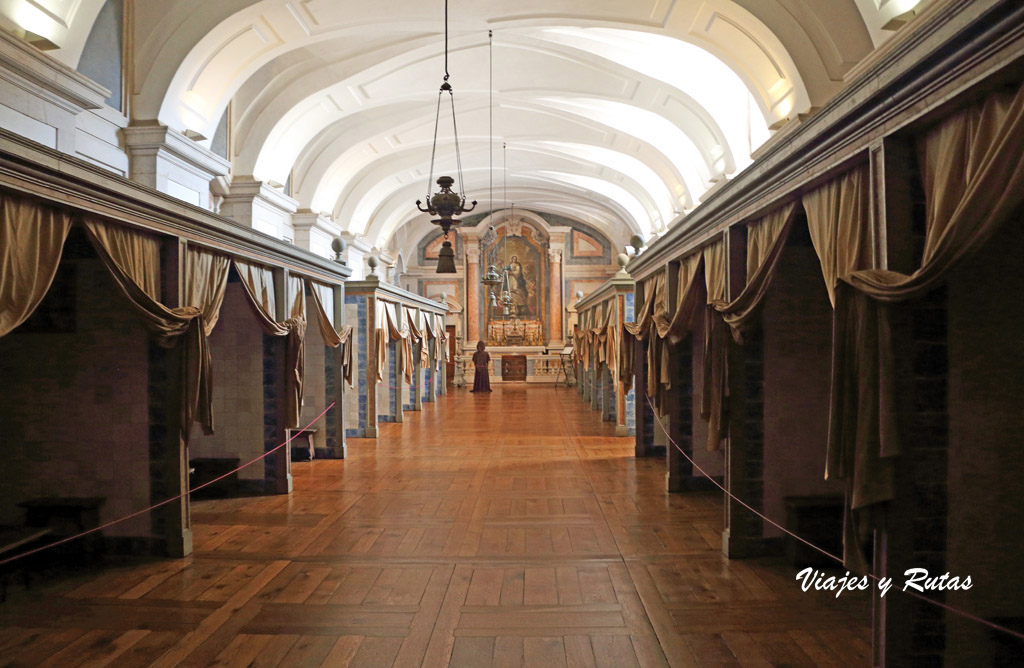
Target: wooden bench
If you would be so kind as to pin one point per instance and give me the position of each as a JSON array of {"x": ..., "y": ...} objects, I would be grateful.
[
  {"x": 301, "y": 453},
  {"x": 206, "y": 469},
  {"x": 14, "y": 541},
  {"x": 65, "y": 515},
  {"x": 819, "y": 520}
]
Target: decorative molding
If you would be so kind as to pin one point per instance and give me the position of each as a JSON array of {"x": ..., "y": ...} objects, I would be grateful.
[
  {"x": 67, "y": 181},
  {"x": 47, "y": 78},
  {"x": 247, "y": 188},
  {"x": 162, "y": 141}
]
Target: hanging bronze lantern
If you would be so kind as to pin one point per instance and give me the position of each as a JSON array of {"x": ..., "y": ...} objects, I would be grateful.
[{"x": 446, "y": 203}]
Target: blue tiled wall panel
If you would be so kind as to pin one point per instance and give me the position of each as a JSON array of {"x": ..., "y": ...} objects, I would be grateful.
[{"x": 361, "y": 357}]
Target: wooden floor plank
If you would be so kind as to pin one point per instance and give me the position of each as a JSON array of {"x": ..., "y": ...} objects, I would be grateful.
[{"x": 513, "y": 530}]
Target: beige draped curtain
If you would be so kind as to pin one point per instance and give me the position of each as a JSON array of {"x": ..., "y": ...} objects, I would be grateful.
[
  {"x": 206, "y": 281},
  {"x": 602, "y": 340},
  {"x": 716, "y": 344},
  {"x": 258, "y": 281},
  {"x": 333, "y": 338},
  {"x": 133, "y": 258},
  {"x": 766, "y": 239},
  {"x": 653, "y": 313},
  {"x": 31, "y": 242},
  {"x": 436, "y": 333},
  {"x": 839, "y": 223},
  {"x": 838, "y": 218},
  {"x": 972, "y": 171},
  {"x": 686, "y": 299},
  {"x": 418, "y": 330},
  {"x": 388, "y": 330}
]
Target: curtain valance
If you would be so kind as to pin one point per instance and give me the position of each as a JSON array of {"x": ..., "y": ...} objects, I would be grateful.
[
  {"x": 31, "y": 242},
  {"x": 972, "y": 172},
  {"x": 333, "y": 338},
  {"x": 389, "y": 329},
  {"x": 258, "y": 281},
  {"x": 133, "y": 259}
]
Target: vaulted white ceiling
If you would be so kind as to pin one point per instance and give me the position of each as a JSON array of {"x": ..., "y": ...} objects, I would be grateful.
[{"x": 622, "y": 113}]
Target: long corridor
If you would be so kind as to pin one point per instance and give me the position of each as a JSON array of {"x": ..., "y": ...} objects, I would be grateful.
[{"x": 508, "y": 529}]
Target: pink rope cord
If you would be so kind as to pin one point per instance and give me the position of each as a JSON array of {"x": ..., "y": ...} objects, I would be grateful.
[
  {"x": 778, "y": 526},
  {"x": 166, "y": 501}
]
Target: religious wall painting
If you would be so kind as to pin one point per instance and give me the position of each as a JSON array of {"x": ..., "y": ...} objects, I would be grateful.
[{"x": 523, "y": 256}]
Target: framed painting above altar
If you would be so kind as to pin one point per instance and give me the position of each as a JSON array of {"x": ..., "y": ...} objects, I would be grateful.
[{"x": 523, "y": 256}]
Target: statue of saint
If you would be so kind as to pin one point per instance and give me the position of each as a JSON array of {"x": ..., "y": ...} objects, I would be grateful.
[{"x": 518, "y": 286}]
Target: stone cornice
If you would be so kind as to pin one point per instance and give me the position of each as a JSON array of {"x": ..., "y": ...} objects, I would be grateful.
[
  {"x": 307, "y": 220},
  {"x": 247, "y": 188},
  {"x": 48, "y": 78},
  {"x": 952, "y": 46},
  {"x": 609, "y": 289},
  {"x": 356, "y": 242},
  {"x": 30, "y": 168},
  {"x": 145, "y": 139},
  {"x": 394, "y": 294}
]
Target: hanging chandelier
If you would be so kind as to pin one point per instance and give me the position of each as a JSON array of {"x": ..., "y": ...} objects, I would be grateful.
[
  {"x": 491, "y": 278},
  {"x": 505, "y": 300},
  {"x": 447, "y": 202}
]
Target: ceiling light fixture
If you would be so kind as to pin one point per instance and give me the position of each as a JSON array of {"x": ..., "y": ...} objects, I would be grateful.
[
  {"x": 447, "y": 202},
  {"x": 491, "y": 279}
]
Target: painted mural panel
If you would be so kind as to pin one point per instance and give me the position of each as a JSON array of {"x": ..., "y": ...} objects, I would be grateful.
[{"x": 523, "y": 256}]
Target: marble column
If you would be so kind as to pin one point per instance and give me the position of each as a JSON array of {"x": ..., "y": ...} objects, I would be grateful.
[
  {"x": 556, "y": 337},
  {"x": 472, "y": 291}
]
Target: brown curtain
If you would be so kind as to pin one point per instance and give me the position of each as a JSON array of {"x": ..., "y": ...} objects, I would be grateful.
[
  {"x": 388, "y": 330},
  {"x": 686, "y": 299},
  {"x": 418, "y": 330},
  {"x": 31, "y": 241},
  {"x": 716, "y": 345},
  {"x": 206, "y": 281},
  {"x": 133, "y": 259},
  {"x": 258, "y": 281},
  {"x": 973, "y": 176},
  {"x": 839, "y": 223},
  {"x": 766, "y": 240},
  {"x": 437, "y": 334},
  {"x": 332, "y": 338}
]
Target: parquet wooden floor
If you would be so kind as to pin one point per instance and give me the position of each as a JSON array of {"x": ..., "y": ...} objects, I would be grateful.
[{"x": 503, "y": 530}]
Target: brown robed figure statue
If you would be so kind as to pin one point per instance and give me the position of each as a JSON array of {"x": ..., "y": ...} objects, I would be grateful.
[{"x": 482, "y": 379}]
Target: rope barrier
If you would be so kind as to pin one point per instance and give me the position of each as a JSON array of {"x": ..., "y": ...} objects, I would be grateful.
[
  {"x": 166, "y": 501},
  {"x": 962, "y": 613}
]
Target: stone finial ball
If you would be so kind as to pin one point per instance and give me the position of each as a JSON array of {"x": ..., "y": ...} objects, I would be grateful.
[
  {"x": 338, "y": 245},
  {"x": 444, "y": 296},
  {"x": 636, "y": 241},
  {"x": 623, "y": 260},
  {"x": 579, "y": 294},
  {"x": 372, "y": 262}
]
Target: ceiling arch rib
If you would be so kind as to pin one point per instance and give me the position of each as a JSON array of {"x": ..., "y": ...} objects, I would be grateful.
[
  {"x": 214, "y": 68},
  {"x": 336, "y": 161},
  {"x": 643, "y": 104},
  {"x": 281, "y": 144},
  {"x": 688, "y": 68},
  {"x": 377, "y": 189}
]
